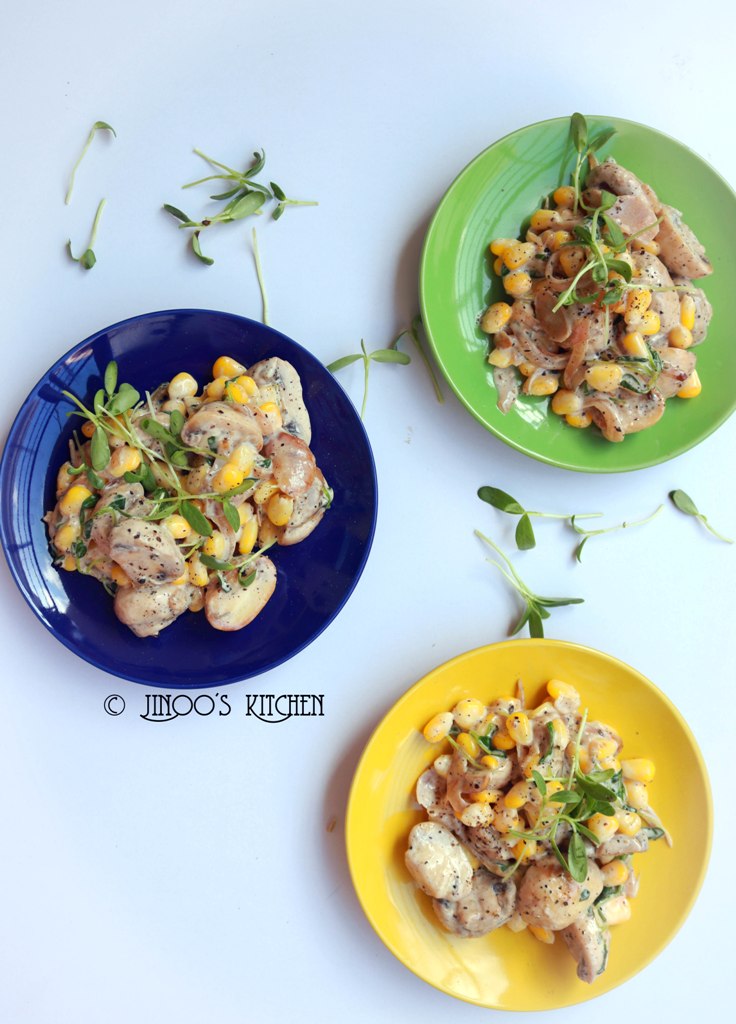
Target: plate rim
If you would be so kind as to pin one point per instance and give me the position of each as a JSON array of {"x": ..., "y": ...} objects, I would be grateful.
[
  {"x": 647, "y": 463},
  {"x": 530, "y": 642},
  {"x": 6, "y": 536}
]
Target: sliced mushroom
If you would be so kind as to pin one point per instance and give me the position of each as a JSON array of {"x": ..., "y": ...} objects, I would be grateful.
[
  {"x": 308, "y": 511},
  {"x": 620, "y": 845},
  {"x": 222, "y": 425},
  {"x": 614, "y": 178},
  {"x": 292, "y": 463},
  {"x": 703, "y": 308},
  {"x": 488, "y": 905},
  {"x": 233, "y": 608},
  {"x": 134, "y": 503},
  {"x": 652, "y": 273},
  {"x": 506, "y": 381},
  {"x": 550, "y": 898},
  {"x": 556, "y": 324},
  {"x": 437, "y": 862},
  {"x": 679, "y": 248},
  {"x": 146, "y": 551},
  {"x": 282, "y": 374},
  {"x": 588, "y": 944},
  {"x": 618, "y": 416},
  {"x": 677, "y": 365},
  {"x": 149, "y": 608}
]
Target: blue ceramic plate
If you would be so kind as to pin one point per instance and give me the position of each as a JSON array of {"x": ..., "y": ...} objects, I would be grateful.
[{"x": 315, "y": 578}]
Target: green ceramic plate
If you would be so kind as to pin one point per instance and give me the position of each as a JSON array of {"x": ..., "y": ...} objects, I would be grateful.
[{"x": 490, "y": 199}]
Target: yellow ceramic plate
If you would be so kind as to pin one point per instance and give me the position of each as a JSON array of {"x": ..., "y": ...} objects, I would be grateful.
[{"x": 507, "y": 971}]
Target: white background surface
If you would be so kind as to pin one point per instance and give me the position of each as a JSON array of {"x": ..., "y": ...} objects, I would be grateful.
[{"x": 183, "y": 873}]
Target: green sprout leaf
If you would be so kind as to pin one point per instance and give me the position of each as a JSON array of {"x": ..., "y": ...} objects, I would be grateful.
[
  {"x": 501, "y": 500},
  {"x": 99, "y": 449},
  {"x": 685, "y": 504},
  {"x": 525, "y": 539},
  {"x": 195, "y": 519},
  {"x": 577, "y": 858},
  {"x": 231, "y": 514},
  {"x": 111, "y": 377},
  {"x": 197, "y": 250}
]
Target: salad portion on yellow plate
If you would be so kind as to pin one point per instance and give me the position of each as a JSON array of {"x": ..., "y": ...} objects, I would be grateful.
[{"x": 510, "y": 968}]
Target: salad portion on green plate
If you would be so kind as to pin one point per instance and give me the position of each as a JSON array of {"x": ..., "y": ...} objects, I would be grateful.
[{"x": 611, "y": 355}]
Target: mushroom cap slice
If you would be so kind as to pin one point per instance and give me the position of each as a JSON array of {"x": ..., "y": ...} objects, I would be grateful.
[
  {"x": 229, "y": 424},
  {"x": 148, "y": 609},
  {"x": 146, "y": 551},
  {"x": 235, "y": 607},
  {"x": 488, "y": 905},
  {"x": 292, "y": 463},
  {"x": 437, "y": 862},
  {"x": 550, "y": 898},
  {"x": 308, "y": 511},
  {"x": 281, "y": 374},
  {"x": 680, "y": 249}
]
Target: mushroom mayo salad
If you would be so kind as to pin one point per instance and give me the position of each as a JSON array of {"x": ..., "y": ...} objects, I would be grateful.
[
  {"x": 172, "y": 500},
  {"x": 602, "y": 311},
  {"x": 533, "y": 820}
]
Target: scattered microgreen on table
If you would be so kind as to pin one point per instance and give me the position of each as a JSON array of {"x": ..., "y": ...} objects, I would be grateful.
[
  {"x": 88, "y": 258},
  {"x": 259, "y": 275},
  {"x": 413, "y": 333},
  {"x": 686, "y": 505},
  {"x": 245, "y": 197},
  {"x": 525, "y": 539},
  {"x": 380, "y": 355},
  {"x": 535, "y": 606},
  {"x": 96, "y": 127},
  {"x": 587, "y": 534}
]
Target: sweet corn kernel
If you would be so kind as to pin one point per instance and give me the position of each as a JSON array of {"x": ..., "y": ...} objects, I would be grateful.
[
  {"x": 634, "y": 345},
  {"x": 177, "y": 526},
  {"x": 88, "y": 428},
  {"x": 268, "y": 534},
  {"x": 605, "y": 377},
  {"x": 235, "y": 393},
  {"x": 196, "y": 603},
  {"x": 557, "y": 688},
  {"x": 468, "y": 745},
  {"x": 680, "y": 337},
  {"x": 272, "y": 415},
  {"x": 248, "y": 537},
  {"x": 564, "y": 196},
  {"x": 558, "y": 239},
  {"x": 516, "y": 923},
  {"x": 215, "y": 389},
  {"x": 438, "y": 728},
  {"x": 71, "y": 503},
  {"x": 175, "y": 405},
  {"x": 651, "y": 247},
  {"x": 63, "y": 478},
  {"x": 242, "y": 456},
  {"x": 614, "y": 873},
  {"x": 505, "y": 818},
  {"x": 498, "y": 266},
  {"x": 518, "y": 283},
  {"x": 692, "y": 386},
  {"x": 518, "y": 254},
  {"x": 544, "y": 219},
  {"x": 468, "y": 713},
  {"x": 279, "y": 509},
  {"x": 605, "y": 747},
  {"x": 124, "y": 460},
  {"x": 611, "y": 763},
  {"x": 198, "y": 575},
  {"x": 263, "y": 491},
  {"x": 501, "y": 357},
  {"x": 517, "y": 796},
  {"x": 524, "y": 850},
  {"x": 502, "y": 741},
  {"x": 572, "y": 259},
  {"x": 247, "y": 384},
  {"x": 687, "y": 312},
  {"x": 226, "y": 366},
  {"x": 69, "y": 563},
  {"x": 602, "y": 826},
  {"x": 542, "y": 934},
  {"x": 66, "y": 536},
  {"x": 442, "y": 764},
  {"x": 226, "y": 478},
  {"x": 215, "y": 545},
  {"x": 637, "y": 794},
  {"x": 495, "y": 317},
  {"x": 245, "y": 513},
  {"x": 499, "y": 245},
  {"x": 184, "y": 578},
  {"x": 183, "y": 385},
  {"x": 119, "y": 576},
  {"x": 486, "y": 796},
  {"x": 579, "y": 420},
  {"x": 476, "y": 815},
  {"x": 566, "y": 403},
  {"x": 527, "y": 369},
  {"x": 519, "y": 728},
  {"x": 640, "y": 769},
  {"x": 544, "y": 384},
  {"x": 629, "y": 823},
  {"x": 531, "y": 764},
  {"x": 584, "y": 759},
  {"x": 638, "y": 301},
  {"x": 650, "y": 323},
  {"x": 616, "y": 910},
  {"x": 489, "y": 761},
  {"x": 555, "y": 786}
]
